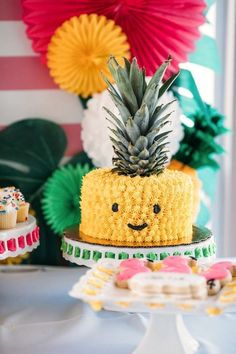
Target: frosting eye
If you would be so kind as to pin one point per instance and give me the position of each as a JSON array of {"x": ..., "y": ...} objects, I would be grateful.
[
  {"x": 156, "y": 208},
  {"x": 114, "y": 207}
]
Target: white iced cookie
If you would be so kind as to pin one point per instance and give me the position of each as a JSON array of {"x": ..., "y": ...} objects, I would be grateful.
[
  {"x": 107, "y": 266},
  {"x": 228, "y": 293},
  {"x": 189, "y": 286}
]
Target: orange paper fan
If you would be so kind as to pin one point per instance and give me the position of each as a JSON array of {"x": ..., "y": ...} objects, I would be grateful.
[{"x": 79, "y": 50}]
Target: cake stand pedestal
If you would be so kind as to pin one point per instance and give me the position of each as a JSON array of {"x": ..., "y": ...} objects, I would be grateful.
[
  {"x": 164, "y": 326},
  {"x": 20, "y": 240},
  {"x": 80, "y": 252}
]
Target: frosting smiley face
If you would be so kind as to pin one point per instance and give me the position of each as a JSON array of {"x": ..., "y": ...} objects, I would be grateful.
[
  {"x": 137, "y": 227},
  {"x": 156, "y": 210}
]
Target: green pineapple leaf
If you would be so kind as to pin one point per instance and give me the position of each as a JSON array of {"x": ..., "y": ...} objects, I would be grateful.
[{"x": 139, "y": 143}]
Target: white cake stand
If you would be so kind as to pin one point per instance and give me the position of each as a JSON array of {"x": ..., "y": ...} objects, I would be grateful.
[
  {"x": 166, "y": 332},
  {"x": 20, "y": 240},
  {"x": 80, "y": 252}
]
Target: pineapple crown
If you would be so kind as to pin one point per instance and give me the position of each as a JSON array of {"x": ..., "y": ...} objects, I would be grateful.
[{"x": 139, "y": 146}]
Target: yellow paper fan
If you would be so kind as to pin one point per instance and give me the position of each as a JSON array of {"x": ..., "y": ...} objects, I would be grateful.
[{"x": 79, "y": 50}]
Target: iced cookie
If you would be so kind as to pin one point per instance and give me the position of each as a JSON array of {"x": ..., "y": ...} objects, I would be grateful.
[
  {"x": 227, "y": 265},
  {"x": 218, "y": 271},
  {"x": 228, "y": 293},
  {"x": 176, "y": 264},
  {"x": 132, "y": 263},
  {"x": 154, "y": 266},
  {"x": 129, "y": 268},
  {"x": 187, "y": 286},
  {"x": 192, "y": 262},
  {"x": 213, "y": 286},
  {"x": 107, "y": 267}
]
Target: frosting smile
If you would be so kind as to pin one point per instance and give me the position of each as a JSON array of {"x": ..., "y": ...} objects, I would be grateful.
[{"x": 137, "y": 227}]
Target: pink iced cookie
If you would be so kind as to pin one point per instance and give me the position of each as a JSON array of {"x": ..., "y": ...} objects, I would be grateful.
[
  {"x": 132, "y": 263},
  {"x": 215, "y": 273},
  {"x": 127, "y": 272},
  {"x": 175, "y": 260},
  {"x": 219, "y": 271},
  {"x": 227, "y": 265},
  {"x": 223, "y": 264},
  {"x": 130, "y": 272},
  {"x": 176, "y": 264},
  {"x": 129, "y": 268}
]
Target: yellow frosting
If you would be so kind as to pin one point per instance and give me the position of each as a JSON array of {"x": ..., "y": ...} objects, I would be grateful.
[
  {"x": 136, "y": 197},
  {"x": 96, "y": 305},
  {"x": 105, "y": 270},
  {"x": 89, "y": 291},
  {"x": 123, "y": 304},
  {"x": 185, "y": 307},
  {"x": 197, "y": 184},
  {"x": 93, "y": 282},
  {"x": 214, "y": 311},
  {"x": 100, "y": 276},
  {"x": 154, "y": 305}
]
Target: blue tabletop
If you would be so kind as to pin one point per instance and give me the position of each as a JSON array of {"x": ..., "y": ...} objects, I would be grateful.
[{"x": 38, "y": 316}]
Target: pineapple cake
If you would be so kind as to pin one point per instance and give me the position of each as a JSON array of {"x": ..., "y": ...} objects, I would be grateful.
[{"x": 139, "y": 202}]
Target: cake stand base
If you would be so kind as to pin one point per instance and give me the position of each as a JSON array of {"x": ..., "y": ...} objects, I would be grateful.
[
  {"x": 167, "y": 334},
  {"x": 80, "y": 252},
  {"x": 21, "y": 239}
]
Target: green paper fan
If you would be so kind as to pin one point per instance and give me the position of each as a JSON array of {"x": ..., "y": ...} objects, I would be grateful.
[
  {"x": 61, "y": 199},
  {"x": 199, "y": 146}
]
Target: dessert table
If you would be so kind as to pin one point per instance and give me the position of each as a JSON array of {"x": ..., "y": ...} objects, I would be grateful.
[{"x": 38, "y": 316}]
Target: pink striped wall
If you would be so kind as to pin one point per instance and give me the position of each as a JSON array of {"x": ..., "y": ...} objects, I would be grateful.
[
  {"x": 19, "y": 73},
  {"x": 10, "y": 10},
  {"x": 26, "y": 73}
]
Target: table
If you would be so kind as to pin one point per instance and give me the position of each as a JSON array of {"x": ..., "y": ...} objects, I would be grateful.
[{"x": 37, "y": 316}]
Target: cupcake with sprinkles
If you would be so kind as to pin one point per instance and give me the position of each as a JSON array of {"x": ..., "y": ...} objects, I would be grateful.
[
  {"x": 19, "y": 200},
  {"x": 23, "y": 206},
  {"x": 8, "y": 211}
]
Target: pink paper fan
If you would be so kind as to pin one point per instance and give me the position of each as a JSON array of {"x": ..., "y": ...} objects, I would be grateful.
[{"x": 155, "y": 28}]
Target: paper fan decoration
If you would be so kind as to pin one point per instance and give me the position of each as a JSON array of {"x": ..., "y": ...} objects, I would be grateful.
[
  {"x": 61, "y": 199},
  {"x": 79, "y": 51},
  {"x": 155, "y": 28},
  {"x": 95, "y": 134},
  {"x": 200, "y": 146}
]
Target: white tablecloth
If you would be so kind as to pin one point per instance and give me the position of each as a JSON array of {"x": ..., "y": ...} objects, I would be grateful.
[{"x": 37, "y": 316}]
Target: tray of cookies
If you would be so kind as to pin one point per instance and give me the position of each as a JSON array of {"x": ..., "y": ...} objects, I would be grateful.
[
  {"x": 166, "y": 289},
  {"x": 175, "y": 284}
]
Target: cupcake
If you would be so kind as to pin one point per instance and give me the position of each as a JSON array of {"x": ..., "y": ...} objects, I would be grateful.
[
  {"x": 22, "y": 205},
  {"x": 8, "y": 212}
]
